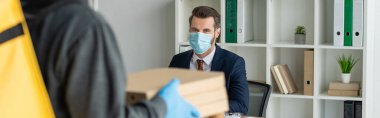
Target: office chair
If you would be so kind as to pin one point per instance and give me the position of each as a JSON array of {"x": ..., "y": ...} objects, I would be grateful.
[{"x": 259, "y": 94}]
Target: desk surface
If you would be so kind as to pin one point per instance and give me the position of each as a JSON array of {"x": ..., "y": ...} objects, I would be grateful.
[
  {"x": 245, "y": 117},
  {"x": 222, "y": 116}
]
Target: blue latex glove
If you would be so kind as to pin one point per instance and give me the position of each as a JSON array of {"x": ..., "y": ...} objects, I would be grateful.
[{"x": 177, "y": 107}]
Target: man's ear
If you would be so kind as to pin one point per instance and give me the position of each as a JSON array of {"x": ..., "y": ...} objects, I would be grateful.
[{"x": 217, "y": 33}]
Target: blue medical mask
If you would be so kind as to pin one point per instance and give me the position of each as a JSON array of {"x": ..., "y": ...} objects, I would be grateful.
[{"x": 200, "y": 42}]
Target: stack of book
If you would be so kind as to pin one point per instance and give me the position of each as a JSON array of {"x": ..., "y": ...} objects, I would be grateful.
[
  {"x": 204, "y": 90},
  {"x": 284, "y": 79},
  {"x": 338, "y": 88}
]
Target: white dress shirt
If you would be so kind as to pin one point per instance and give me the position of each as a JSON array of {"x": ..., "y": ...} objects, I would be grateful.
[{"x": 207, "y": 61}]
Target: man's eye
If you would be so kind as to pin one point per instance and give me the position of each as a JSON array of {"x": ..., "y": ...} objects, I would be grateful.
[{"x": 194, "y": 30}]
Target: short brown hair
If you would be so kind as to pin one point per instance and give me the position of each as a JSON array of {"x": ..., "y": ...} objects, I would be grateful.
[{"x": 205, "y": 12}]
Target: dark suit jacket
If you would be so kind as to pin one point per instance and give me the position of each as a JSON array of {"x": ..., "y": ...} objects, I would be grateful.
[{"x": 233, "y": 67}]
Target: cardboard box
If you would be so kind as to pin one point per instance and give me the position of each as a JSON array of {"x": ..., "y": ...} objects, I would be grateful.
[
  {"x": 205, "y": 90},
  {"x": 339, "y": 85},
  {"x": 351, "y": 93}
]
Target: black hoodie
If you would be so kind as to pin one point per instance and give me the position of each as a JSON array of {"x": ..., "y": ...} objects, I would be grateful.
[{"x": 80, "y": 62}]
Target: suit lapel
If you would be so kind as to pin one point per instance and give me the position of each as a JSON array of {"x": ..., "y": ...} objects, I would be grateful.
[
  {"x": 186, "y": 63},
  {"x": 217, "y": 60}
]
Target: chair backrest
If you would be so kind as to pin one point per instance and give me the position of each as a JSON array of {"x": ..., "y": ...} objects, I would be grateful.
[{"x": 259, "y": 94}]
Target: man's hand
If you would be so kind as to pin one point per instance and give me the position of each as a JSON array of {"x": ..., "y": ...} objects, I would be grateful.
[{"x": 177, "y": 107}]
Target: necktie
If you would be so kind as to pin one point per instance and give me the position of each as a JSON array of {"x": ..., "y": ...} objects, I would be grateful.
[{"x": 200, "y": 64}]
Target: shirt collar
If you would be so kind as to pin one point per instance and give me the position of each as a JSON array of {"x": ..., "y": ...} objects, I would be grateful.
[{"x": 207, "y": 59}]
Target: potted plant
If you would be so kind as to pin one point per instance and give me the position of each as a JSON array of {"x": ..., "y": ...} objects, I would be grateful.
[
  {"x": 300, "y": 36},
  {"x": 346, "y": 64}
]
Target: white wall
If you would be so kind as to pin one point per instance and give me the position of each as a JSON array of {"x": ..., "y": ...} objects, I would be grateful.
[
  {"x": 144, "y": 29},
  {"x": 376, "y": 69}
]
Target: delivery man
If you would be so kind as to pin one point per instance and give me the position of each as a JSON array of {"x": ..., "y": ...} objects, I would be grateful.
[{"x": 82, "y": 67}]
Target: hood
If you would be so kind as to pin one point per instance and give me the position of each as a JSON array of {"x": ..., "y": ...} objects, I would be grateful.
[{"x": 35, "y": 6}]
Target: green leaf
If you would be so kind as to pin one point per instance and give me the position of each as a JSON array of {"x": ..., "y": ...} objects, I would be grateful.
[
  {"x": 300, "y": 30},
  {"x": 346, "y": 63}
]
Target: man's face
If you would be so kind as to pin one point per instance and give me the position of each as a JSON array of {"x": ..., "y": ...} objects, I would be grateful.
[{"x": 204, "y": 25}]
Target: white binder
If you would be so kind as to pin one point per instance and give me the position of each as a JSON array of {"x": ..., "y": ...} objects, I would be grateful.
[
  {"x": 244, "y": 21},
  {"x": 357, "y": 23},
  {"x": 338, "y": 22}
]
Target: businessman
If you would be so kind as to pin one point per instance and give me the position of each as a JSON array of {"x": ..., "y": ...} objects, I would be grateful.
[{"x": 207, "y": 56}]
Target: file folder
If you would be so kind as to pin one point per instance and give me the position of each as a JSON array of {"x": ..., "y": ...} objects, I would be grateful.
[
  {"x": 338, "y": 22},
  {"x": 348, "y": 11},
  {"x": 231, "y": 22},
  {"x": 308, "y": 88},
  {"x": 358, "y": 109},
  {"x": 357, "y": 23},
  {"x": 349, "y": 111},
  {"x": 244, "y": 21}
]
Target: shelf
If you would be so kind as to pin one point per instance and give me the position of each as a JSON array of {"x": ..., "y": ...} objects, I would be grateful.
[
  {"x": 324, "y": 96},
  {"x": 293, "y": 57},
  {"x": 286, "y": 15},
  {"x": 325, "y": 29},
  {"x": 272, "y": 28},
  {"x": 291, "y": 44},
  {"x": 290, "y": 108},
  {"x": 331, "y": 46},
  {"x": 255, "y": 58},
  {"x": 329, "y": 109},
  {"x": 251, "y": 23},
  {"x": 183, "y": 43},
  {"x": 259, "y": 43},
  {"x": 295, "y": 95},
  {"x": 283, "y": 44},
  {"x": 183, "y": 11},
  {"x": 327, "y": 70}
]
